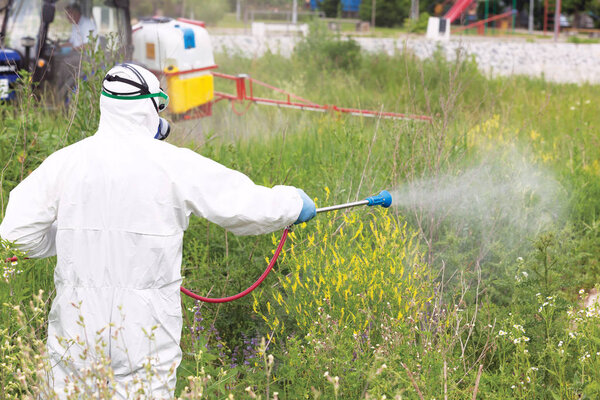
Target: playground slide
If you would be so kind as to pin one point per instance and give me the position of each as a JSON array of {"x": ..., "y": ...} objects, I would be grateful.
[{"x": 458, "y": 8}]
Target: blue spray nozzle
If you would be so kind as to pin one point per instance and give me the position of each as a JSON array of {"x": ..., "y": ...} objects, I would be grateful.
[{"x": 384, "y": 199}]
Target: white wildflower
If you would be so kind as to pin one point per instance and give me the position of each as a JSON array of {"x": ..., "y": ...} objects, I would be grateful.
[{"x": 70, "y": 388}]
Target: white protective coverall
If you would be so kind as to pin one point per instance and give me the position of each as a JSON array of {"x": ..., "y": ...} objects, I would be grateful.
[{"x": 113, "y": 208}]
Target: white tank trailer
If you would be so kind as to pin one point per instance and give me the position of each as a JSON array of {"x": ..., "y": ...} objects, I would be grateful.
[{"x": 180, "y": 53}]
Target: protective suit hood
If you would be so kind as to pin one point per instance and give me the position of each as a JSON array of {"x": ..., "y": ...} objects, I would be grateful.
[{"x": 129, "y": 117}]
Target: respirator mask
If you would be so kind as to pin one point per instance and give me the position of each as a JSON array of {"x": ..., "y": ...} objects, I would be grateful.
[
  {"x": 163, "y": 129},
  {"x": 160, "y": 100}
]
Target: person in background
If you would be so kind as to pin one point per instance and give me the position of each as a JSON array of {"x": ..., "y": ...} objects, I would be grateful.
[
  {"x": 113, "y": 209},
  {"x": 72, "y": 52},
  {"x": 82, "y": 26},
  {"x": 471, "y": 14}
]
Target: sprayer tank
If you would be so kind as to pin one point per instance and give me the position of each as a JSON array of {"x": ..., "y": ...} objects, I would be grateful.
[{"x": 180, "y": 54}]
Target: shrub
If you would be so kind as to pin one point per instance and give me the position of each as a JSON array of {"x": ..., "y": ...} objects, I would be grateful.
[
  {"x": 418, "y": 26},
  {"x": 326, "y": 51},
  {"x": 209, "y": 11},
  {"x": 387, "y": 12}
]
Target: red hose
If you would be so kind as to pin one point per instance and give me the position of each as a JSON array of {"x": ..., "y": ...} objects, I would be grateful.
[
  {"x": 239, "y": 295},
  {"x": 251, "y": 288}
]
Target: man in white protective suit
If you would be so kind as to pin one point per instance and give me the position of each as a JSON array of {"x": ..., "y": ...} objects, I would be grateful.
[{"x": 113, "y": 208}]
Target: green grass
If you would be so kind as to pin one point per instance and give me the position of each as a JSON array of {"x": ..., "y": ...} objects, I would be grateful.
[
  {"x": 466, "y": 305},
  {"x": 349, "y": 28},
  {"x": 579, "y": 40},
  {"x": 230, "y": 21}
]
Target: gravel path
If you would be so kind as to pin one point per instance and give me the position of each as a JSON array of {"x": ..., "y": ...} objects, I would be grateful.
[{"x": 557, "y": 62}]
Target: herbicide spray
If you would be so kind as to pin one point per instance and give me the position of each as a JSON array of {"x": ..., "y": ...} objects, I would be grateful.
[{"x": 505, "y": 199}]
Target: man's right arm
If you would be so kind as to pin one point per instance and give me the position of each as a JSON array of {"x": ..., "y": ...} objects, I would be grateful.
[
  {"x": 231, "y": 200},
  {"x": 30, "y": 216}
]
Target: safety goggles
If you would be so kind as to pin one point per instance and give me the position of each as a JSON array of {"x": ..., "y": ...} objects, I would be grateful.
[{"x": 160, "y": 100}]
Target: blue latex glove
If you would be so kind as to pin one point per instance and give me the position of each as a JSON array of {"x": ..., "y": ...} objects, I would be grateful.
[{"x": 308, "y": 208}]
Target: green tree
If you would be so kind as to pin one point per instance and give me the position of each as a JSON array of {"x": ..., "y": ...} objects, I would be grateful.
[
  {"x": 209, "y": 11},
  {"x": 581, "y": 6},
  {"x": 144, "y": 8},
  {"x": 387, "y": 12},
  {"x": 331, "y": 8}
]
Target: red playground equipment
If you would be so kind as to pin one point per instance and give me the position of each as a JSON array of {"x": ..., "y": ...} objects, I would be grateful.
[
  {"x": 440, "y": 27},
  {"x": 480, "y": 25},
  {"x": 457, "y": 9}
]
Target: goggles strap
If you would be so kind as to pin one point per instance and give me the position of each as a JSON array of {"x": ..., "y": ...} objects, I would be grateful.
[
  {"x": 142, "y": 93},
  {"x": 143, "y": 89},
  {"x": 141, "y": 78}
]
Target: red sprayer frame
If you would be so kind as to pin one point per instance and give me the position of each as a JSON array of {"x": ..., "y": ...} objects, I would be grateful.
[{"x": 245, "y": 92}]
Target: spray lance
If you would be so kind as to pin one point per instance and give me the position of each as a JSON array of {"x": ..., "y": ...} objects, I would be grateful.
[{"x": 384, "y": 199}]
